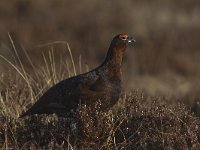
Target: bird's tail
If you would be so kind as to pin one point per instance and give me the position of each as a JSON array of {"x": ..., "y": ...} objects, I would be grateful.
[
  {"x": 24, "y": 114},
  {"x": 29, "y": 112}
]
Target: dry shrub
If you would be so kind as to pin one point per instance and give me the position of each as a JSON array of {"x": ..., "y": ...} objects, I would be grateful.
[{"x": 136, "y": 122}]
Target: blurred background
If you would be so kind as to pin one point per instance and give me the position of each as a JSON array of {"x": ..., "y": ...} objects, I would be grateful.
[{"x": 164, "y": 60}]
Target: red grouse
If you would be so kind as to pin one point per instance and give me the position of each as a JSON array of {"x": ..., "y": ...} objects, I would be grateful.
[{"x": 102, "y": 84}]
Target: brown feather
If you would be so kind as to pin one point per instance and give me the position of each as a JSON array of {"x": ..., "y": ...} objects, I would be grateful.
[{"x": 102, "y": 84}]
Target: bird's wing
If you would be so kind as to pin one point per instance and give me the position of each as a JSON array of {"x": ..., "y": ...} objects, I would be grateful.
[
  {"x": 64, "y": 95},
  {"x": 91, "y": 92},
  {"x": 67, "y": 94}
]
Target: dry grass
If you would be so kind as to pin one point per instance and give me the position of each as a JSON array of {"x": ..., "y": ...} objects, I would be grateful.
[{"x": 138, "y": 121}]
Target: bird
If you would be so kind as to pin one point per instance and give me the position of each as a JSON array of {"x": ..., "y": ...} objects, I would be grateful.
[{"x": 102, "y": 84}]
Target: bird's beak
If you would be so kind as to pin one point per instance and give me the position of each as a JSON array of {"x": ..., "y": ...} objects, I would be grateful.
[{"x": 131, "y": 40}]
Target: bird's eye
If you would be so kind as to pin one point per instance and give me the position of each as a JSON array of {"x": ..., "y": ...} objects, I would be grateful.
[{"x": 123, "y": 38}]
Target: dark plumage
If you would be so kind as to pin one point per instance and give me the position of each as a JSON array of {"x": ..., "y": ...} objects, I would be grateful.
[{"x": 102, "y": 84}]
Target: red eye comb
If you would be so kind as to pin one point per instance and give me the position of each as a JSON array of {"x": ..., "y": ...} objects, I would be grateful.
[{"x": 123, "y": 35}]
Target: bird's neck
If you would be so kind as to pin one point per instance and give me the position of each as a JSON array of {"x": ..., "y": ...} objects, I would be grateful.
[{"x": 113, "y": 62}]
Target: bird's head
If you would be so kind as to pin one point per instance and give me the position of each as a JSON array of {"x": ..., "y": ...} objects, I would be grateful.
[
  {"x": 122, "y": 40},
  {"x": 118, "y": 47}
]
